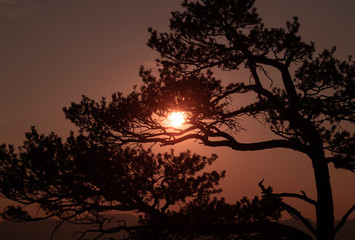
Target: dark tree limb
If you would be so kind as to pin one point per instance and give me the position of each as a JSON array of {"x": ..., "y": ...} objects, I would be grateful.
[
  {"x": 173, "y": 139},
  {"x": 343, "y": 219},
  {"x": 291, "y": 210},
  {"x": 298, "y": 216},
  {"x": 295, "y": 195}
]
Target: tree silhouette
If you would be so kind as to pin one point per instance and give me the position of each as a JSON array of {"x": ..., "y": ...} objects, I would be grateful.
[
  {"x": 307, "y": 106},
  {"x": 82, "y": 181},
  {"x": 307, "y": 109},
  {"x": 204, "y": 217},
  {"x": 79, "y": 181}
]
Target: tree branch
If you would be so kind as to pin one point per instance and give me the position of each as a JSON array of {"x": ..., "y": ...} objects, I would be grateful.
[
  {"x": 295, "y": 195},
  {"x": 343, "y": 220},
  {"x": 292, "y": 211},
  {"x": 286, "y": 77},
  {"x": 298, "y": 216},
  {"x": 230, "y": 142}
]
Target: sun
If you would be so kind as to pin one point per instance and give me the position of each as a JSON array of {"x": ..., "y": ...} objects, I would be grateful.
[{"x": 176, "y": 119}]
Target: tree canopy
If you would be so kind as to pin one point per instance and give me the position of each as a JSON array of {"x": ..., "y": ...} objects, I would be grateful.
[
  {"x": 315, "y": 101},
  {"x": 71, "y": 179},
  {"x": 83, "y": 182},
  {"x": 308, "y": 106}
]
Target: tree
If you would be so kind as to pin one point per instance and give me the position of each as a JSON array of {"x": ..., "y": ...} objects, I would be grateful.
[
  {"x": 307, "y": 108},
  {"x": 81, "y": 181},
  {"x": 216, "y": 219}
]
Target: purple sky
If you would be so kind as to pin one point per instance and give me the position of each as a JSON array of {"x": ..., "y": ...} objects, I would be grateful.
[{"x": 52, "y": 52}]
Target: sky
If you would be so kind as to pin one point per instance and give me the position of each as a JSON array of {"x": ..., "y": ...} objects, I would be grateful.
[{"x": 54, "y": 51}]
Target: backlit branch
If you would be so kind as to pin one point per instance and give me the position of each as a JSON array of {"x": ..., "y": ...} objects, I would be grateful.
[
  {"x": 343, "y": 219},
  {"x": 295, "y": 195},
  {"x": 174, "y": 138},
  {"x": 298, "y": 216},
  {"x": 292, "y": 211}
]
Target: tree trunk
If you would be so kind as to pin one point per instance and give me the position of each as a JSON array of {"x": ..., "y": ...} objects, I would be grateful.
[{"x": 324, "y": 207}]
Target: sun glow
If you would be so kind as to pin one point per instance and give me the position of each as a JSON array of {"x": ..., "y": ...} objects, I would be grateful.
[{"x": 176, "y": 119}]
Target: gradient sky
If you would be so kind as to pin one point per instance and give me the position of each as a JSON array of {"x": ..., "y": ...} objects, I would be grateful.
[{"x": 52, "y": 52}]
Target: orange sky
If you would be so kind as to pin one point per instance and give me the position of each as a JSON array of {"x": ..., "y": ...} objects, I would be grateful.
[{"x": 52, "y": 52}]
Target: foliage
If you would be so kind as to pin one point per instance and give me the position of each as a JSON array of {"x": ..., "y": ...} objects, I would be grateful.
[
  {"x": 204, "y": 218},
  {"x": 307, "y": 104},
  {"x": 308, "y": 107},
  {"x": 315, "y": 103},
  {"x": 206, "y": 211},
  {"x": 79, "y": 181}
]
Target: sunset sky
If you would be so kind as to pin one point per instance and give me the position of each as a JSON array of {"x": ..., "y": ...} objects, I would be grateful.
[{"x": 54, "y": 51}]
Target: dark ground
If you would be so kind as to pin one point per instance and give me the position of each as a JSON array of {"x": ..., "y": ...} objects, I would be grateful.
[{"x": 42, "y": 230}]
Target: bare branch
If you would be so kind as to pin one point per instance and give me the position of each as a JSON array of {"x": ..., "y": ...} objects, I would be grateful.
[
  {"x": 292, "y": 211},
  {"x": 343, "y": 219},
  {"x": 298, "y": 216},
  {"x": 295, "y": 195}
]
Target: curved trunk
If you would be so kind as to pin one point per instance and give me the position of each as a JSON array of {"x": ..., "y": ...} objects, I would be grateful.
[{"x": 324, "y": 207}]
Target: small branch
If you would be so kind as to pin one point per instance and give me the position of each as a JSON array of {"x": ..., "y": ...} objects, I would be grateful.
[
  {"x": 295, "y": 195},
  {"x": 343, "y": 220},
  {"x": 238, "y": 89},
  {"x": 298, "y": 216},
  {"x": 266, "y": 74},
  {"x": 57, "y": 226},
  {"x": 292, "y": 211},
  {"x": 252, "y": 67}
]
